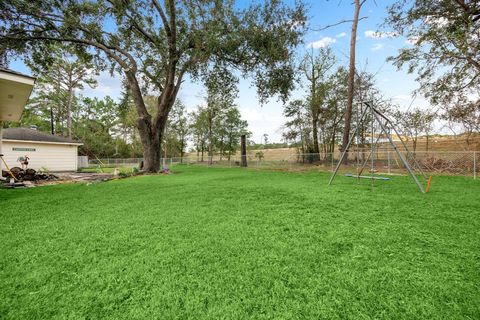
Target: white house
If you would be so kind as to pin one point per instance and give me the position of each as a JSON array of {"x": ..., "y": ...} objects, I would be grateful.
[
  {"x": 46, "y": 151},
  {"x": 15, "y": 89}
]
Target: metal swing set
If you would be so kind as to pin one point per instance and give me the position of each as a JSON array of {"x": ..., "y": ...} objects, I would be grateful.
[{"x": 378, "y": 120}]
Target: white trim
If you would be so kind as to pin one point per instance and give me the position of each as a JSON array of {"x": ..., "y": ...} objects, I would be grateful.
[
  {"x": 43, "y": 142},
  {"x": 4, "y": 75}
]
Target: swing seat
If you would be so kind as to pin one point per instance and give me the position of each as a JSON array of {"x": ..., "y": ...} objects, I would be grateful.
[{"x": 366, "y": 177}]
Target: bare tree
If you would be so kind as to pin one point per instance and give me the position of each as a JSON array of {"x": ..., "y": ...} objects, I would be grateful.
[{"x": 315, "y": 69}]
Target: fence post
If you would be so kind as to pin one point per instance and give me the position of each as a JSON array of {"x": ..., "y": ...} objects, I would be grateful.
[
  {"x": 474, "y": 165},
  {"x": 332, "y": 155},
  {"x": 388, "y": 155}
]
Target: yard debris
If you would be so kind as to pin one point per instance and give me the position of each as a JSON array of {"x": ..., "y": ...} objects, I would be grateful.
[
  {"x": 165, "y": 170},
  {"x": 29, "y": 175},
  {"x": 439, "y": 165},
  {"x": 32, "y": 178}
]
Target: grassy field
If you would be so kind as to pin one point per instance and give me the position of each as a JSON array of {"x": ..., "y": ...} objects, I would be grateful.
[
  {"x": 439, "y": 144},
  {"x": 210, "y": 243}
]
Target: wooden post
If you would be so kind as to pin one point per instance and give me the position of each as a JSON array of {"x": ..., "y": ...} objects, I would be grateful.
[{"x": 244, "y": 151}]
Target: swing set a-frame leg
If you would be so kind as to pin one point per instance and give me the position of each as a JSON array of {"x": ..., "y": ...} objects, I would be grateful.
[
  {"x": 405, "y": 163},
  {"x": 384, "y": 126},
  {"x": 346, "y": 149},
  {"x": 409, "y": 154}
]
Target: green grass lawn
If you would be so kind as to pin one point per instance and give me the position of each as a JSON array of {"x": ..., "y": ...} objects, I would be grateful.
[{"x": 210, "y": 243}]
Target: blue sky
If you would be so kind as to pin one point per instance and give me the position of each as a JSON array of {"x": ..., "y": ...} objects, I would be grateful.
[{"x": 372, "y": 52}]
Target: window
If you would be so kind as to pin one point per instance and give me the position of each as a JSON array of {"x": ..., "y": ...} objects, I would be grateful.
[{"x": 24, "y": 149}]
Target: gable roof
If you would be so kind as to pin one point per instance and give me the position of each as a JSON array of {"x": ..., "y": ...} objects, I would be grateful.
[{"x": 26, "y": 134}]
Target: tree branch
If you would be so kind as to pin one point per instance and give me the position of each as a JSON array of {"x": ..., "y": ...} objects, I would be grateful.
[
  {"x": 100, "y": 46},
  {"x": 163, "y": 17},
  {"x": 339, "y": 23}
]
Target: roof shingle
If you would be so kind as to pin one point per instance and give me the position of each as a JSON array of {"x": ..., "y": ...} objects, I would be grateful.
[{"x": 27, "y": 134}]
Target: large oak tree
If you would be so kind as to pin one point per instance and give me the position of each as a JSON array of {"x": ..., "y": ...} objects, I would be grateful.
[{"x": 156, "y": 44}]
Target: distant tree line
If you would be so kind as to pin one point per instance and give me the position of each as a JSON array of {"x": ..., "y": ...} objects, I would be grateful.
[{"x": 316, "y": 122}]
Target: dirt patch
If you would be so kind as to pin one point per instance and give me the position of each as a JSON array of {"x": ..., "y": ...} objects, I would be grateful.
[{"x": 86, "y": 177}]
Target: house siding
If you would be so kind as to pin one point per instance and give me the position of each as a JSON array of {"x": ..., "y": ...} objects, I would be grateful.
[{"x": 49, "y": 156}]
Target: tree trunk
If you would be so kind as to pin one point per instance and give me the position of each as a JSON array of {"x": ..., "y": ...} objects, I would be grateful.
[
  {"x": 69, "y": 113},
  {"x": 151, "y": 130},
  {"x": 332, "y": 143},
  {"x": 198, "y": 148},
  {"x": 316, "y": 149},
  {"x": 351, "y": 77},
  {"x": 244, "y": 151},
  {"x": 52, "y": 127},
  {"x": 151, "y": 136},
  {"x": 210, "y": 137},
  {"x": 210, "y": 152},
  {"x": 151, "y": 153},
  {"x": 182, "y": 147},
  {"x": 302, "y": 140}
]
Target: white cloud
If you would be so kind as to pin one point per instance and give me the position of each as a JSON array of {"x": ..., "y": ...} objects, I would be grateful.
[
  {"x": 379, "y": 35},
  {"x": 412, "y": 40},
  {"x": 341, "y": 35},
  {"x": 263, "y": 120},
  {"x": 322, "y": 43},
  {"x": 436, "y": 21},
  {"x": 106, "y": 86},
  {"x": 377, "y": 47}
]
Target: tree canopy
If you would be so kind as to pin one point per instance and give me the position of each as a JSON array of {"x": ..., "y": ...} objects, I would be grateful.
[
  {"x": 444, "y": 47},
  {"x": 155, "y": 45}
]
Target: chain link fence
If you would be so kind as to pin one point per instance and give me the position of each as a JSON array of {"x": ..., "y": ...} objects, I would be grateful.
[{"x": 465, "y": 163}]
